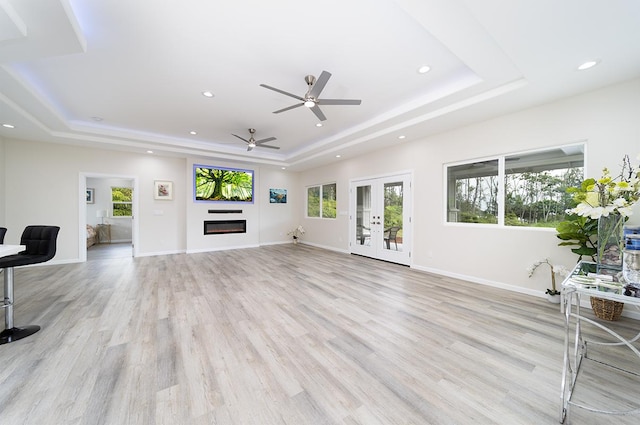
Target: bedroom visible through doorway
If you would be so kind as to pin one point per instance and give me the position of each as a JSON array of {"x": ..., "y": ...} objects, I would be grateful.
[{"x": 109, "y": 225}]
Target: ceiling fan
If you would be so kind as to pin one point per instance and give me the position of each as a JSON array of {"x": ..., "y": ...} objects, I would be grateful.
[
  {"x": 311, "y": 99},
  {"x": 256, "y": 143}
]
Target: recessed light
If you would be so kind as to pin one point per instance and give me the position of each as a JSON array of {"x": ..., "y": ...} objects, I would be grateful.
[
  {"x": 424, "y": 69},
  {"x": 8, "y": 126},
  {"x": 97, "y": 119},
  {"x": 284, "y": 168},
  {"x": 319, "y": 124},
  {"x": 588, "y": 64},
  {"x": 207, "y": 94},
  {"x": 401, "y": 137},
  {"x": 149, "y": 151},
  {"x": 338, "y": 156},
  {"x": 193, "y": 132}
]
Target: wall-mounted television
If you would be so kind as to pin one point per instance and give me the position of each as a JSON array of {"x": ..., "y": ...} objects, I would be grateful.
[{"x": 220, "y": 184}]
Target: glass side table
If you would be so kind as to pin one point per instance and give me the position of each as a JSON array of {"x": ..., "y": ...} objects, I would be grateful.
[{"x": 574, "y": 287}]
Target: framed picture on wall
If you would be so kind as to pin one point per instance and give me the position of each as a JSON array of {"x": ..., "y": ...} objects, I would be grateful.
[
  {"x": 163, "y": 190},
  {"x": 91, "y": 196},
  {"x": 278, "y": 196}
]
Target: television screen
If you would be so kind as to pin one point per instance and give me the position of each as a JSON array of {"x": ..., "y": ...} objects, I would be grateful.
[{"x": 219, "y": 184}]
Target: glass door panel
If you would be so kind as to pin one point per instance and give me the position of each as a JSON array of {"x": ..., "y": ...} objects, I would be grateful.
[
  {"x": 393, "y": 216},
  {"x": 379, "y": 218},
  {"x": 363, "y": 215}
]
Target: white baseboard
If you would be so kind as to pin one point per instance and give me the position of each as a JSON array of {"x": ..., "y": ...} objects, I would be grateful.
[{"x": 540, "y": 294}]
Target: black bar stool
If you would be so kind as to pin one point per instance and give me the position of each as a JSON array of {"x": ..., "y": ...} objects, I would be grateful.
[
  {"x": 40, "y": 243},
  {"x": 3, "y": 231}
]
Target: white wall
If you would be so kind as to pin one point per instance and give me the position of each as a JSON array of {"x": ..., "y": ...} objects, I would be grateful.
[
  {"x": 607, "y": 119},
  {"x": 42, "y": 186}
]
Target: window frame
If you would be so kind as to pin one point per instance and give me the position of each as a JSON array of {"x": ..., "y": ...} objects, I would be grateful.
[
  {"x": 321, "y": 200},
  {"x": 578, "y": 147}
]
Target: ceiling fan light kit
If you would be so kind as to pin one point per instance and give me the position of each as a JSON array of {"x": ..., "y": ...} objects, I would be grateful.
[{"x": 312, "y": 98}]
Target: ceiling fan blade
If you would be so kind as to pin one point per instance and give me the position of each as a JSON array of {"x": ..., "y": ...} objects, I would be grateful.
[
  {"x": 241, "y": 138},
  {"x": 282, "y": 92},
  {"x": 339, "y": 101},
  {"x": 319, "y": 84},
  {"x": 268, "y": 139},
  {"x": 318, "y": 113},
  {"x": 267, "y": 146},
  {"x": 288, "y": 108}
]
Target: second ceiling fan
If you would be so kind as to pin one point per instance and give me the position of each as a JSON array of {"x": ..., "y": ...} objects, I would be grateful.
[
  {"x": 311, "y": 99},
  {"x": 252, "y": 143}
]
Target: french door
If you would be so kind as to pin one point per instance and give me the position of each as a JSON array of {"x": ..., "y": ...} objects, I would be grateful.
[{"x": 379, "y": 218}]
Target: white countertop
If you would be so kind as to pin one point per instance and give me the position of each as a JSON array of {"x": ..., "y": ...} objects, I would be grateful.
[{"x": 11, "y": 249}]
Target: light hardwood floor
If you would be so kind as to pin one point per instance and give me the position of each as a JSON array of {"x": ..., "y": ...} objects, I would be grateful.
[{"x": 283, "y": 335}]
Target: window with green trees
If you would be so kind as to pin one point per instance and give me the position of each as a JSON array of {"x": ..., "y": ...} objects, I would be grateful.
[
  {"x": 321, "y": 201},
  {"x": 121, "y": 201},
  {"x": 534, "y": 186}
]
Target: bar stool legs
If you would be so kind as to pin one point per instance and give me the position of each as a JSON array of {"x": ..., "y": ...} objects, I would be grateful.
[{"x": 11, "y": 333}]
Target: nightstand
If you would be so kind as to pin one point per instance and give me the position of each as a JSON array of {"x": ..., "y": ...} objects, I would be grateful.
[{"x": 103, "y": 233}]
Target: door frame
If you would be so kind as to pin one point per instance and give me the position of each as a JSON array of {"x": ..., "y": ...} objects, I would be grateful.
[
  {"x": 82, "y": 210},
  {"x": 401, "y": 257}
]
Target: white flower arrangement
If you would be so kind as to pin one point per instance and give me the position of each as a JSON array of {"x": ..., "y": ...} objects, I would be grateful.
[
  {"x": 555, "y": 269},
  {"x": 297, "y": 232},
  {"x": 607, "y": 195}
]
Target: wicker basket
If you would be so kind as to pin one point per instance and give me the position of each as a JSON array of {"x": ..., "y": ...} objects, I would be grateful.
[{"x": 606, "y": 309}]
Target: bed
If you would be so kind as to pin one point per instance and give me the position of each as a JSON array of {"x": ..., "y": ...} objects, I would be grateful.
[{"x": 91, "y": 236}]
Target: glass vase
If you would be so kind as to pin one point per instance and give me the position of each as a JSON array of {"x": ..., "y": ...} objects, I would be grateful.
[{"x": 610, "y": 245}]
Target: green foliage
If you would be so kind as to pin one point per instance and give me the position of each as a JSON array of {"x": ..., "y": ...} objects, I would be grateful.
[
  {"x": 122, "y": 210},
  {"x": 532, "y": 198},
  {"x": 313, "y": 201},
  {"x": 121, "y": 198},
  {"x": 478, "y": 217},
  {"x": 223, "y": 185},
  {"x": 392, "y": 216},
  {"x": 329, "y": 208},
  {"x": 539, "y": 199},
  {"x": 121, "y": 194},
  {"x": 578, "y": 231},
  {"x": 328, "y": 201}
]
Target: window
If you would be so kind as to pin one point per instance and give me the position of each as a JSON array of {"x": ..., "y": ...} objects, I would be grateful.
[
  {"x": 321, "y": 201},
  {"x": 534, "y": 187},
  {"x": 473, "y": 192},
  {"x": 121, "y": 201}
]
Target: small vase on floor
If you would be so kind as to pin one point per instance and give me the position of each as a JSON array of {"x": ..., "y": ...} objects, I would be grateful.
[
  {"x": 295, "y": 240},
  {"x": 554, "y": 299}
]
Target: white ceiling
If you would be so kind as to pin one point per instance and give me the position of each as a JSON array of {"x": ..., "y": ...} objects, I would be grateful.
[{"x": 141, "y": 67}]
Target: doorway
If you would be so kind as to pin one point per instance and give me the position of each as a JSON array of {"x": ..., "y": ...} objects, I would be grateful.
[
  {"x": 380, "y": 220},
  {"x": 105, "y": 231}
]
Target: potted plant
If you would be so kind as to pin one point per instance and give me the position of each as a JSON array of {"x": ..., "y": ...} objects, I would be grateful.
[
  {"x": 553, "y": 295},
  {"x": 602, "y": 208},
  {"x": 297, "y": 233}
]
